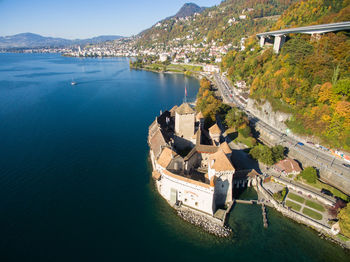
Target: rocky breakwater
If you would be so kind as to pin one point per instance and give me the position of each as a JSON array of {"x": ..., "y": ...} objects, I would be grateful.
[{"x": 205, "y": 223}]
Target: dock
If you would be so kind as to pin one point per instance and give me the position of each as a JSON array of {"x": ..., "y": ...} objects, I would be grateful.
[
  {"x": 264, "y": 215},
  {"x": 255, "y": 202}
]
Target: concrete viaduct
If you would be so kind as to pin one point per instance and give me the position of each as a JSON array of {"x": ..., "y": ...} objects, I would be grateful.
[{"x": 280, "y": 35}]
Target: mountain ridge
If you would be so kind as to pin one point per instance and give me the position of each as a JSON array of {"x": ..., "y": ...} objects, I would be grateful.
[{"x": 32, "y": 40}]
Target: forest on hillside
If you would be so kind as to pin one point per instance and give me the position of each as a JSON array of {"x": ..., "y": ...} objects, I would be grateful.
[{"x": 310, "y": 78}]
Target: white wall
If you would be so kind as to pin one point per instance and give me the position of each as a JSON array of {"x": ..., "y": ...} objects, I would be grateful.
[{"x": 191, "y": 195}]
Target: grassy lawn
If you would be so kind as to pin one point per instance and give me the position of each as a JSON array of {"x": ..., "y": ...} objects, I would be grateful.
[
  {"x": 193, "y": 68},
  {"x": 293, "y": 205},
  {"x": 183, "y": 68},
  {"x": 296, "y": 198},
  {"x": 315, "y": 205},
  {"x": 312, "y": 214},
  {"x": 248, "y": 141},
  {"x": 238, "y": 138},
  {"x": 343, "y": 238},
  {"x": 321, "y": 185}
]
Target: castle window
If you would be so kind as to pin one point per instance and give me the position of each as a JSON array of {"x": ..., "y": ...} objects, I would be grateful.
[
  {"x": 196, "y": 203},
  {"x": 185, "y": 199}
]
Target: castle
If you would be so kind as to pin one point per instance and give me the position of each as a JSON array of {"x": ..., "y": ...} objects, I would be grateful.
[{"x": 191, "y": 166}]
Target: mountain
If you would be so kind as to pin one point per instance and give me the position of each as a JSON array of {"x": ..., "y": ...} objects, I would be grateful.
[
  {"x": 189, "y": 9},
  {"x": 30, "y": 40},
  {"x": 228, "y": 23}
]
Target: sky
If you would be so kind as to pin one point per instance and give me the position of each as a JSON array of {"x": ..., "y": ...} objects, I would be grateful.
[{"x": 74, "y": 19}]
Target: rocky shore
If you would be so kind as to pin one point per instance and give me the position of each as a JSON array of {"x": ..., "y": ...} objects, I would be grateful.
[{"x": 205, "y": 223}]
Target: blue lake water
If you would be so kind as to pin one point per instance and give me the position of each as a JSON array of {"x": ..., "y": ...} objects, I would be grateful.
[{"x": 75, "y": 179}]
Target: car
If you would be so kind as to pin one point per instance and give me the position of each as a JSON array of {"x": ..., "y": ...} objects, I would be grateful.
[
  {"x": 346, "y": 165},
  {"x": 300, "y": 144},
  {"x": 326, "y": 192},
  {"x": 310, "y": 143}
]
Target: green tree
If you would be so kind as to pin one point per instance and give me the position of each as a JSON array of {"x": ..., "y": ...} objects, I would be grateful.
[
  {"x": 245, "y": 132},
  {"x": 342, "y": 87},
  {"x": 262, "y": 153},
  {"x": 344, "y": 220},
  {"x": 278, "y": 153},
  {"x": 235, "y": 118},
  {"x": 309, "y": 174}
]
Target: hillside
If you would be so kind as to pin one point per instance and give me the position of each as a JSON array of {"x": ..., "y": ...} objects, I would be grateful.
[
  {"x": 30, "y": 40},
  {"x": 310, "y": 78},
  {"x": 225, "y": 23}
]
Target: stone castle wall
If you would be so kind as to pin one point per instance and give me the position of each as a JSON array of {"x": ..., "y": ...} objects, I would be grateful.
[{"x": 184, "y": 125}]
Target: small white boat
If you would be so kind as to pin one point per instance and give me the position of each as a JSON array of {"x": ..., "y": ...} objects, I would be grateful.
[{"x": 73, "y": 83}]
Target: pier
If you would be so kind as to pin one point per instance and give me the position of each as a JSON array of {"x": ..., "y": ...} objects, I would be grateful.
[
  {"x": 254, "y": 202},
  {"x": 264, "y": 215}
]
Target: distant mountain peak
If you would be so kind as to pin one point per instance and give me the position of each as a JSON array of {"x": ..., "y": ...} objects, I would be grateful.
[{"x": 189, "y": 9}]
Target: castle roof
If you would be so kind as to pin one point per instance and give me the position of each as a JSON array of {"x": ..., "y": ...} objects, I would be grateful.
[
  {"x": 184, "y": 109},
  {"x": 165, "y": 157},
  {"x": 156, "y": 142},
  {"x": 188, "y": 180},
  {"x": 288, "y": 165},
  {"x": 221, "y": 162},
  {"x": 224, "y": 147},
  {"x": 156, "y": 175},
  {"x": 173, "y": 110},
  {"x": 215, "y": 130},
  {"x": 207, "y": 149}
]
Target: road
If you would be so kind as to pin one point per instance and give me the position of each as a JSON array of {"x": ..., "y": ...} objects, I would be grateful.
[{"x": 320, "y": 159}]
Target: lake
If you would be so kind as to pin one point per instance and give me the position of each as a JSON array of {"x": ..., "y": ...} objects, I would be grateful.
[{"x": 75, "y": 180}]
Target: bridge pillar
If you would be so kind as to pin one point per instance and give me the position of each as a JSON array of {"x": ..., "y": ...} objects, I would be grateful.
[
  {"x": 315, "y": 37},
  {"x": 262, "y": 41},
  {"x": 279, "y": 41}
]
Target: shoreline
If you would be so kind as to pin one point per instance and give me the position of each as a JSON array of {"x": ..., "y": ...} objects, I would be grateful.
[
  {"x": 325, "y": 234},
  {"x": 197, "y": 75}
]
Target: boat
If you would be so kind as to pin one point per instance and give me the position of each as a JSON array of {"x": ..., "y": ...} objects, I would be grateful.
[{"x": 73, "y": 83}]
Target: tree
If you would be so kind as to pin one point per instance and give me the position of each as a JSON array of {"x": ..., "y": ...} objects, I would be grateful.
[
  {"x": 245, "y": 132},
  {"x": 235, "y": 118},
  {"x": 280, "y": 194},
  {"x": 278, "y": 153},
  {"x": 344, "y": 220},
  {"x": 342, "y": 87},
  {"x": 309, "y": 174},
  {"x": 262, "y": 153}
]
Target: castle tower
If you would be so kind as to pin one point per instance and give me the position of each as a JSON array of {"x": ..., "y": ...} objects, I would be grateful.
[
  {"x": 184, "y": 121},
  {"x": 215, "y": 133},
  {"x": 200, "y": 119}
]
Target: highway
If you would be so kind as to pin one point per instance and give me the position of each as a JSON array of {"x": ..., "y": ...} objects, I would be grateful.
[{"x": 321, "y": 160}]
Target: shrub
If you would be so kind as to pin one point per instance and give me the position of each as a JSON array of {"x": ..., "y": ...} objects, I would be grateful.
[
  {"x": 344, "y": 220},
  {"x": 267, "y": 155},
  {"x": 309, "y": 174}
]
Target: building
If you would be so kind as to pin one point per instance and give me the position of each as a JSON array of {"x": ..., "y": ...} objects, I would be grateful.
[
  {"x": 288, "y": 166},
  {"x": 198, "y": 176},
  {"x": 163, "y": 57}
]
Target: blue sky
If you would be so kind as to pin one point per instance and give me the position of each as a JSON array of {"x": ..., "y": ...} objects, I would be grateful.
[{"x": 86, "y": 18}]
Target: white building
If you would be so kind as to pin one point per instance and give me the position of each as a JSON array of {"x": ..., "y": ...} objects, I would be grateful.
[{"x": 163, "y": 57}]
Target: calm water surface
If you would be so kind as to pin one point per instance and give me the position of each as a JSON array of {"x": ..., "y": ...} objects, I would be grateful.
[{"x": 75, "y": 181}]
